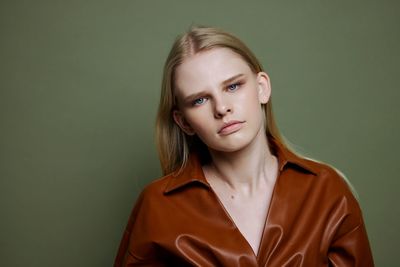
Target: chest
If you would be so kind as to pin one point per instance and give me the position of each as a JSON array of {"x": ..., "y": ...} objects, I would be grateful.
[
  {"x": 275, "y": 228},
  {"x": 248, "y": 214}
]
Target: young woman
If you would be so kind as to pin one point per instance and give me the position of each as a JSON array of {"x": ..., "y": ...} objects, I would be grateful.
[{"x": 233, "y": 193}]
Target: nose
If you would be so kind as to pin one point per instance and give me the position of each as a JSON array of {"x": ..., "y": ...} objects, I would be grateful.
[{"x": 221, "y": 108}]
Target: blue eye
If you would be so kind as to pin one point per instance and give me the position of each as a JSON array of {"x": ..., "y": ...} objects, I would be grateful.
[
  {"x": 199, "y": 101},
  {"x": 233, "y": 87}
]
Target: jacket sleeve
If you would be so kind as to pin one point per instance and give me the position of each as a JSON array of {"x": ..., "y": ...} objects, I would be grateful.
[
  {"x": 349, "y": 244},
  {"x": 136, "y": 247},
  {"x": 351, "y": 249}
]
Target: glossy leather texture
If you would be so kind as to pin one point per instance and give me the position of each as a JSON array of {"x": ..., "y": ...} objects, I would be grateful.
[{"x": 313, "y": 220}]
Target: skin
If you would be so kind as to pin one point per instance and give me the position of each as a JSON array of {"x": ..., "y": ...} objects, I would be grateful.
[{"x": 219, "y": 99}]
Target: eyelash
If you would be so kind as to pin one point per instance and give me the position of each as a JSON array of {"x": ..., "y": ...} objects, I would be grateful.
[
  {"x": 237, "y": 85},
  {"x": 195, "y": 103}
]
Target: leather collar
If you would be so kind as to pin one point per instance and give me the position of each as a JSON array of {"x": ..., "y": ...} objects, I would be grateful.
[{"x": 192, "y": 173}]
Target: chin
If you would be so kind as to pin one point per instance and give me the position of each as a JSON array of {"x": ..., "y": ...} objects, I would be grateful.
[{"x": 231, "y": 146}]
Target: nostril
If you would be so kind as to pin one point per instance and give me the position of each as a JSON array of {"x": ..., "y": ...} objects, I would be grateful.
[{"x": 221, "y": 112}]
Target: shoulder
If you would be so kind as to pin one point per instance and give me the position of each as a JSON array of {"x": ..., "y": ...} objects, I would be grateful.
[
  {"x": 329, "y": 176},
  {"x": 310, "y": 170},
  {"x": 143, "y": 224},
  {"x": 155, "y": 189},
  {"x": 330, "y": 194},
  {"x": 335, "y": 191},
  {"x": 150, "y": 206}
]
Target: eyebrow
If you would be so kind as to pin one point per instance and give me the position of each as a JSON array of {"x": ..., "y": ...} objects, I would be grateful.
[
  {"x": 228, "y": 81},
  {"x": 224, "y": 83}
]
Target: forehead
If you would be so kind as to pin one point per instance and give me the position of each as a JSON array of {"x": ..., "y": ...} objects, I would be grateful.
[{"x": 209, "y": 68}]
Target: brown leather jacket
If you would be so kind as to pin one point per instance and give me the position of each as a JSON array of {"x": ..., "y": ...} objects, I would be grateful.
[{"x": 313, "y": 220}]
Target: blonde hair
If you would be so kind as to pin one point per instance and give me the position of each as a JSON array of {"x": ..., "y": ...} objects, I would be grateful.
[{"x": 173, "y": 144}]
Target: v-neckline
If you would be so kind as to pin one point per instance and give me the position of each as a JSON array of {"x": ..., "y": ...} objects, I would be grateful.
[{"x": 232, "y": 221}]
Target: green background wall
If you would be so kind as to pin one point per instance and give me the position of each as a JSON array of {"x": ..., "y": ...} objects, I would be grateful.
[{"x": 79, "y": 86}]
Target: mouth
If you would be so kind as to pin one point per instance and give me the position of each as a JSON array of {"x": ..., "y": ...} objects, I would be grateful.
[{"x": 230, "y": 127}]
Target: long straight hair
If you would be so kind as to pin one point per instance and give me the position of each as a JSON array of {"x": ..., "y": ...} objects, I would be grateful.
[{"x": 174, "y": 146}]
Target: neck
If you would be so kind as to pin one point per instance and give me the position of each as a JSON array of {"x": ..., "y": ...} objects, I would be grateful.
[{"x": 246, "y": 169}]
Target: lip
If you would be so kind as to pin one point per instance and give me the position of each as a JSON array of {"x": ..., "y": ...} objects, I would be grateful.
[{"x": 230, "y": 127}]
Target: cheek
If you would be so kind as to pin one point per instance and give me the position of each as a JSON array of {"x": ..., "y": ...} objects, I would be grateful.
[
  {"x": 248, "y": 101},
  {"x": 197, "y": 120},
  {"x": 251, "y": 109}
]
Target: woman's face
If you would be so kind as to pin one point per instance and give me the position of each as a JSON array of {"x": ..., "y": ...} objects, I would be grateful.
[{"x": 219, "y": 99}]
